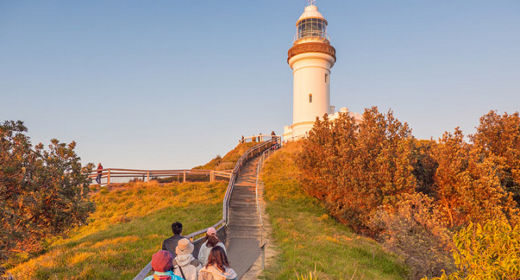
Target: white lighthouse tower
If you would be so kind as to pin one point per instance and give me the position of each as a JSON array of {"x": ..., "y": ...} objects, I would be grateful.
[{"x": 311, "y": 57}]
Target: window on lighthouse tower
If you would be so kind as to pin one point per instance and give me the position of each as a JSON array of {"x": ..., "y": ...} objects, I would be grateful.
[{"x": 310, "y": 97}]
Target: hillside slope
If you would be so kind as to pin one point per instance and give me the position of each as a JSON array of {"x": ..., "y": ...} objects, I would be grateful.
[
  {"x": 308, "y": 239},
  {"x": 229, "y": 160},
  {"x": 127, "y": 227}
]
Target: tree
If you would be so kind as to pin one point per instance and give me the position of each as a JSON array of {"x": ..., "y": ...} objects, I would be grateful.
[
  {"x": 467, "y": 185},
  {"x": 490, "y": 250},
  {"x": 424, "y": 166},
  {"x": 356, "y": 167},
  {"x": 499, "y": 136},
  {"x": 43, "y": 192}
]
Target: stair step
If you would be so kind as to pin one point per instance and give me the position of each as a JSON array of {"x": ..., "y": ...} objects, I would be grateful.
[
  {"x": 248, "y": 228},
  {"x": 242, "y": 220},
  {"x": 238, "y": 214},
  {"x": 242, "y": 203}
]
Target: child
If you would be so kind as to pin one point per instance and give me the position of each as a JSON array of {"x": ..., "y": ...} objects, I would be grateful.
[{"x": 162, "y": 265}]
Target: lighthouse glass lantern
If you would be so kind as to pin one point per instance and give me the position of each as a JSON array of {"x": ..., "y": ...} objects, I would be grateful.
[{"x": 312, "y": 28}]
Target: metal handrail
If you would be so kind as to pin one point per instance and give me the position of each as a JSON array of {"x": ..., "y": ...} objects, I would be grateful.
[
  {"x": 260, "y": 165},
  {"x": 250, "y": 153}
]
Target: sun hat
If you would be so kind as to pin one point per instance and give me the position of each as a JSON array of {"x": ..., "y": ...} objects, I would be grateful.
[
  {"x": 211, "y": 231},
  {"x": 162, "y": 261},
  {"x": 184, "y": 247}
]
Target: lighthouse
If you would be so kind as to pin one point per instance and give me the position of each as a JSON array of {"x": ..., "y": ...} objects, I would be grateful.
[{"x": 311, "y": 57}]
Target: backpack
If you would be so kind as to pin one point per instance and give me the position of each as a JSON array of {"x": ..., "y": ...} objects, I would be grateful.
[
  {"x": 166, "y": 277},
  {"x": 162, "y": 277}
]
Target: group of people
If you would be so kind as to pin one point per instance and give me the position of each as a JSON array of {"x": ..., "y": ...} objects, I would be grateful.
[
  {"x": 259, "y": 138},
  {"x": 176, "y": 260}
]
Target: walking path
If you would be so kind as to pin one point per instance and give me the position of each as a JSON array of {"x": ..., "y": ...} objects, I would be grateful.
[{"x": 243, "y": 228}]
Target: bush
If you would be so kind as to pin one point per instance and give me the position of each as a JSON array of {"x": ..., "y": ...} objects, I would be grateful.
[
  {"x": 488, "y": 251},
  {"x": 414, "y": 230},
  {"x": 424, "y": 166},
  {"x": 499, "y": 136},
  {"x": 43, "y": 192},
  {"x": 356, "y": 167},
  {"x": 467, "y": 184}
]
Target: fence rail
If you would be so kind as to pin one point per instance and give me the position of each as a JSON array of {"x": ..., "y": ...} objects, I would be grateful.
[
  {"x": 146, "y": 175},
  {"x": 259, "y": 138},
  {"x": 197, "y": 237}
]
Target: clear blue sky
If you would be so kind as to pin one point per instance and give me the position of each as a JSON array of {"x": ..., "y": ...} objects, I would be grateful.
[{"x": 170, "y": 84}]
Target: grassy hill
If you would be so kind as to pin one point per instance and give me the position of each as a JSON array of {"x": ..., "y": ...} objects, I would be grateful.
[
  {"x": 229, "y": 160},
  {"x": 309, "y": 240},
  {"x": 127, "y": 227}
]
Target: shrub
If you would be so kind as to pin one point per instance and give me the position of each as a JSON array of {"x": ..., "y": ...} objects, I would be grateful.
[
  {"x": 488, "y": 251},
  {"x": 467, "y": 184},
  {"x": 356, "y": 167},
  {"x": 424, "y": 166},
  {"x": 414, "y": 230},
  {"x": 499, "y": 136},
  {"x": 43, "y": 192}
]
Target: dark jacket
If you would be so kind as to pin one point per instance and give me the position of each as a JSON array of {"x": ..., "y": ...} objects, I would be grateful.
[{"x": 171, "y": 243}]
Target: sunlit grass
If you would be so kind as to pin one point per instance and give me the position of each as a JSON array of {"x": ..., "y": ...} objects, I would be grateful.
[
  {"x": 127, "y": 227},
  {"x": 229, "y": 160},
  {"x": 312, "y": 244}
]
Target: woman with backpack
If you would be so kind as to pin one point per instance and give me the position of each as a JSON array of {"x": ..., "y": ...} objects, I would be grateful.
[
  {"x": 217, "y": 267},
  {"x": 184, "y": 264},
  {"x": 211, "y": 242}
]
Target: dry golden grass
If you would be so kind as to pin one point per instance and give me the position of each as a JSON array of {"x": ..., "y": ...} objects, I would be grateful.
[
  {"x": 127, "y": 227},
  {"x": 229, "y": 160}
]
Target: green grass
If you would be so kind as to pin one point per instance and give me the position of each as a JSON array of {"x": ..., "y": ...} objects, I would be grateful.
[
  {"x": 127, "y": 227},
  {"x": 309, "y": 240}
]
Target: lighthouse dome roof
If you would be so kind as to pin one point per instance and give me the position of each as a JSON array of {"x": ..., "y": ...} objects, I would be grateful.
[{"x": 311, "y": 11}]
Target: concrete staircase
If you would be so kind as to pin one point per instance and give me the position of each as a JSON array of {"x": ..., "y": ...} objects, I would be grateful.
[{"x": 243, "y": 235}]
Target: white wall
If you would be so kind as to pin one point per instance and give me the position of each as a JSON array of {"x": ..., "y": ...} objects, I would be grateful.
[{"x": 309, "y": 71}]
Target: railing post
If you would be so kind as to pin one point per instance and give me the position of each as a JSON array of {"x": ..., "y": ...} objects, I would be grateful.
[
  {"x": 184, "y": 176},
  {"x": 108, "y": 177},
  {"x": 212, "y": 176},
  {"x": 147, "y": 176},
  {"x": 263, "y": 256}
]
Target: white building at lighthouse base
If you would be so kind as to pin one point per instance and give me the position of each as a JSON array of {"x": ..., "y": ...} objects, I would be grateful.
[{"x": 300, "y": 130}]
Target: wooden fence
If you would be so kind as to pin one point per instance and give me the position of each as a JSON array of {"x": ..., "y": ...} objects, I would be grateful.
[
  {"x": 147, "y": 175},
  {"x": 259, "y": 138}
]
